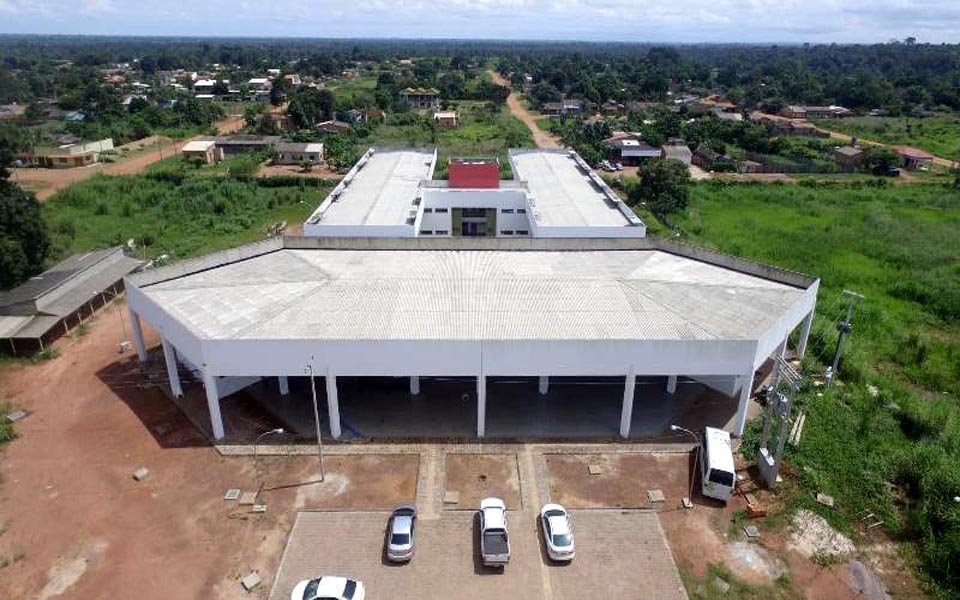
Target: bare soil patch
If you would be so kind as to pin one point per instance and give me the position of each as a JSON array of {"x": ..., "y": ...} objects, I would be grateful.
[
  {"x": 84, "y": 527},
  {"x": 479, "y": 476},
  {"x": 355, "y": 482},
  {"x": 318, "y": 172},
  {"x": 622, "y": 481}
]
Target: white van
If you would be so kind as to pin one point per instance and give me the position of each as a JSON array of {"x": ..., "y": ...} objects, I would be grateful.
[{"x": 717, "y": 476}]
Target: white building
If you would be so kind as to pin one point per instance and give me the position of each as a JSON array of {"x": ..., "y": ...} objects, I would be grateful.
[
  {"x": 474, "y": 307},
  {"x": 544, "y": 276},
  {"x": 554, "y": 193}
]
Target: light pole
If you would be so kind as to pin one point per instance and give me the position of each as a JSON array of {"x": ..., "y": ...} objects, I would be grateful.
[
  {"x": 256, "y": 464},
  {"x": 316, "y": 417},
  {"x": 844, "y": 327},
  {"x": 696, "y": 459}
]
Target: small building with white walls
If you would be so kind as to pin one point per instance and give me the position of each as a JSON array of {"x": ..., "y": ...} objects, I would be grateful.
[{"x": 480, "y": 308}]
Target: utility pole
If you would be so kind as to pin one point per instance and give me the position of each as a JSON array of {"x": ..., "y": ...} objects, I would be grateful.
[
  {"x": 844, "y": 327},
  {"x": 316, "y": 417}
]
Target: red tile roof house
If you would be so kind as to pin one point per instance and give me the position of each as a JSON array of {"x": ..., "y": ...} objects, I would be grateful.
[{"x": 913, "y": 159}]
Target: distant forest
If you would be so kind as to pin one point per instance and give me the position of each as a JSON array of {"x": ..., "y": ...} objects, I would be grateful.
[{"x": 897, "y": 77}]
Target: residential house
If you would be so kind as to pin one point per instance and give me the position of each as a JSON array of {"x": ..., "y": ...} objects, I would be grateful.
[
  {"x": 334, "y": 127},
  {"x": 290, "y": 153},
  {"x": 238, "y": 144},
  {"x": 913, "y": 159},
  {"x": 848, "y": 158},
  {"x": 749, "y": 166},
  {"x": 709, "y": 160},
  {"x": 733, "y": 117},
  {"x": 259, "y": 89},
  {"x": 799, "y": 128},
  {"x": 65, "y": 156},
  {"x": 562, "y": 108},
  {"x": 446, "y": 119},
  {"x": 294, "y": 80},
  {"x": 205, "y": 151},
  {"x": 815, "y": 112},
  {"x": 629, "y": 149},
  {"x": 204, "y": 86},
  {"x": 421, "y": 98},
  {"x": 677, "y": 152}
]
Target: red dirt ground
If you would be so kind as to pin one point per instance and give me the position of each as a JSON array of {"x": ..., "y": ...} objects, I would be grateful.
[
  {"x": 623, "y": 481},
  {"x": 86, "y": 529},
  {"x": 479, "y": 476}
]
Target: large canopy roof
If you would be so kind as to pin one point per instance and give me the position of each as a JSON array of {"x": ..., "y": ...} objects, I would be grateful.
[{"x": 352, "y": 294}]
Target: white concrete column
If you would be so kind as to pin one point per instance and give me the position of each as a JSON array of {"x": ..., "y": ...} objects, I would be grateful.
[
  {"x": 173, "y": 373},
  {"x": 333, "y": 405},
  {"x": 626, "y": 416},
  {"x": 544, "y": 385},
  {"x": 213, "y": 404},
  {"x": 481, "y": 405},
  {"x": 137, "y": 336},
  {"x": 672, "y": 384},
  {"x": 284, "y": 385},
  {"x": 804, "y": 335},
  {"x": 415, "y": 385},
  {"x": 745, "y": 389}
]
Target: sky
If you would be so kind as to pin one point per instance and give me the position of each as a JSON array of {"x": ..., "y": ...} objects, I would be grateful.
[{"x": 681, "y": 21}]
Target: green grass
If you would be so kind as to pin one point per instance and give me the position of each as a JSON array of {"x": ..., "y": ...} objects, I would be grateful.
[
  {"x": 708, "y": 588},
  {"x": 177, "y": 209},
  {"x": 898, "y": 454},
  {"x": 481, "y": 133},
  {"x": 939, "y": 135}
]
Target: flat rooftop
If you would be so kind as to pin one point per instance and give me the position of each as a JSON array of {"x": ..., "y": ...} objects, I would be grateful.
[
  {"x": 379, "y": 190},
  {"x": 564, "y": 192},
  {"x": 290, "y": 290}
]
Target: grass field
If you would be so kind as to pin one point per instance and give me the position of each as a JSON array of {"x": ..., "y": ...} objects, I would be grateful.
[
  {"x": 939, "y": 135},
  {"x": 177, "y": 209},
  {"x": 897, "y": 453},
  {"x": 481, "y": 133}
]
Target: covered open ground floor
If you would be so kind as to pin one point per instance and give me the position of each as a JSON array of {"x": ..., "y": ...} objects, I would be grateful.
[{"x": 463, "y": 338}]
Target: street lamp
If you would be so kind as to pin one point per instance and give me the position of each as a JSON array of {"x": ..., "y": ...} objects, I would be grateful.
[
  {"x": 316, "y": 417},
  {"x": 696, "y": 460},
  {"x": 256, "y": 464}
]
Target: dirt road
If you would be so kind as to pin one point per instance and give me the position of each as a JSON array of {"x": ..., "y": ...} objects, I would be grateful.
[
  {"x": 75, "y": 523},
  {"x": 541, "y": 138},
  {"x": 142, "y": 154}
]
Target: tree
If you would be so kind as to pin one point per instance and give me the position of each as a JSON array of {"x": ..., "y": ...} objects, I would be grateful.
[
  {"x": 881, "y": 160},
  {"x": 664, "y": 185},
  {"x": 23, "y": 236}
]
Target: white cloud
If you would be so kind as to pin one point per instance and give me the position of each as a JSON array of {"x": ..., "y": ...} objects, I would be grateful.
[{"x": 628, "y": 20}]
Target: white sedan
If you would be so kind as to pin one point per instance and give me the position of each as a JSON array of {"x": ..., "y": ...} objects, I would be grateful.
[
  {"x": 328, "y": 588},
  {"x": 557, "y": 532}
]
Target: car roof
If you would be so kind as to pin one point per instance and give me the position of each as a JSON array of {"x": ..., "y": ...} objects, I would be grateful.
[
  {"x": 559, "y": 525},
  {"x": 402, "y": 524},
  {"x": 719, "y": 449}
]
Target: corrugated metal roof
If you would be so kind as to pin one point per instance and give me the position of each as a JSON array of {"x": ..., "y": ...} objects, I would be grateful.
[{"x": 473, "y": 295}]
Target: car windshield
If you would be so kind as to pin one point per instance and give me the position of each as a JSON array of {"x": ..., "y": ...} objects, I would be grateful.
[
  {"x": 400, "y": 539},
  {"x": 349, "y": 589},
  {"x": 724, "y": 478},
  {"x": 310, "y": 591},
  {"x": 561, "y": 540}
]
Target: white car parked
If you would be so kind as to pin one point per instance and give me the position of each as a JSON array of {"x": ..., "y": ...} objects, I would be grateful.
[
  {"x": 557, "y": 532},
  {"x": 328, "y": 588},
  {"x": 400, "y": 543}
]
